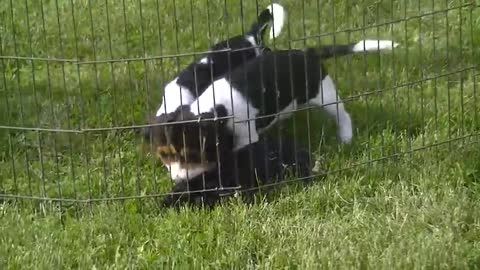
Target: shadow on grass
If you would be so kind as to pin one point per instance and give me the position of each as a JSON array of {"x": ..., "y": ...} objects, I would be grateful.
[{"x": 315, "y": 127}]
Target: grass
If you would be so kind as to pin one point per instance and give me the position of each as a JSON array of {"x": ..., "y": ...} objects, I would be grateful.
[{"x": 404, "y": 195}]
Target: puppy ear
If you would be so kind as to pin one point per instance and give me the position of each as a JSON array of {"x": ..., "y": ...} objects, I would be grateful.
[
  {"x": 205, "y": 120},
  {"x": 221, "y": 112}
]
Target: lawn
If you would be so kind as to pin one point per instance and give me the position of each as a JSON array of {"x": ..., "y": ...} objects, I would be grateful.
[{"x": 405, "y": 194}]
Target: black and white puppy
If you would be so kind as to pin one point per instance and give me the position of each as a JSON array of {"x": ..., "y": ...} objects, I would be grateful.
[
  {"x": 252, "y": 98},
  {"x": 264, "y": 162},
  {"x": 196, "y": 77}
]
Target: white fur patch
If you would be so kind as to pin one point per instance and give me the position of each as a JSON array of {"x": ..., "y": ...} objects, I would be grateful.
[
  {"x": 374, "y": 45},
  {"x": 205, "y": 60},
  {"x": 251, "y": 39},
  {"x": 333, "y": 105},
  {"x": 279, "y": 16},
  {"x": 174, "y": 95},
  {"x": 180, "y": 174},
  {"x": 235, "y": 104}
]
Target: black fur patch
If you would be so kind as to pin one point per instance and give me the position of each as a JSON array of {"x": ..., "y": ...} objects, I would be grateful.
[
  {"x": 264, "y": 162},
  {"x": 277, "y": 78},
  {"x": 198, "y": 76},
  {"x": 190, "y": 142},
  {"x": 295, "y": 74}
]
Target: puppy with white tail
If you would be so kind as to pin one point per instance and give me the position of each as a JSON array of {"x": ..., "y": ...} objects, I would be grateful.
[
  {"x": 222, "y": 58},
  {"x": 291, "y": 78},
  {"x": 247, "y": 101}
]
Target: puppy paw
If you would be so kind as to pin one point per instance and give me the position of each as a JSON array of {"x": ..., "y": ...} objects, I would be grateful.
[{"x": 345, "y": 135}]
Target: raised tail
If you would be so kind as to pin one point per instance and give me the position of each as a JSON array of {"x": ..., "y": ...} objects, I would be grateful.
[
  {"x": 368, "y": 45},
  {"x": 274, "y": 16}
]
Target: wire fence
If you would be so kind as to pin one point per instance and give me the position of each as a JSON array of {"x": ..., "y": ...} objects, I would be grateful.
[{"x": 80, "y": 77}]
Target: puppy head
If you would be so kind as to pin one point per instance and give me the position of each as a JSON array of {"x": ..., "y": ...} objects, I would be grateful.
[{"x": 189, "y": 141}]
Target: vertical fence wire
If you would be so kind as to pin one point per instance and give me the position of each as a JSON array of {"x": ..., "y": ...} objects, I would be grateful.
[
  {"x": 263, "y": 107},
  {"x": 381, "y": 95},
  {"x": 447, "y": 51},
  {"x": 194, "y": 56},
  {"x": 19, "y": 94},
  {"x": 163, "y": 78},
  {"x": 308, "y": 119},
  {"x": 40, "y": 136},
  {"x": 350, "y": 77},
  {"x": 395, "y": 89},
  {"x": 460, "y": 41},
  {"x": 11, "y": 146},
  {"x": 435, "y": 89},
  {"x": 209, "y": 34},
  {"x": 131, "y": 86},
  {"x": 65, "y": 91},
  {"x": 83, "y": 121},
  {"x": 309, "y": 131},
  {"x": 99, "y": 110},
  {"x": 422, "y": 75},
  {"x": 407, "y": 90},
  {"x": 138, "y": 179},
  {"x": 335, "y": 68},
  {"x": 366, "y": 98},
  {"x": 177, "y": 61},
  {"x": 114, "y": 98},
  {"x": 475, "y": 121},
  {"x": 292, "y": 95},
  {"x": 474, "y": 56},
  {"x": 34, "y": 88}
]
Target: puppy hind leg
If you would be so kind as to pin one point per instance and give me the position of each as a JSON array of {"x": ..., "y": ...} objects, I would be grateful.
[{"x": 328, "y": 99}]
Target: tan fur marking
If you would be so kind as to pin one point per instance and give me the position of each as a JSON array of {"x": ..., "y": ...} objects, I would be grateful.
[
  {"x": 166, "y": 149},
  {"x": 172, "y": 148}
]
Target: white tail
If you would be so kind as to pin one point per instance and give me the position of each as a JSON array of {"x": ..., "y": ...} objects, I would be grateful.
[
  {"x": 369, "y": 45},
  {"x": 279, "y": 16}
]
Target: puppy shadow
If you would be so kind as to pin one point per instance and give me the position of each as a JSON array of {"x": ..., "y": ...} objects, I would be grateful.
[{"x": 374, "y": 124}]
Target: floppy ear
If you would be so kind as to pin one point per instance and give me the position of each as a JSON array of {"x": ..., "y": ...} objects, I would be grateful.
[
  {"x": 213, "y": 128},
  {"x": 216, "y": 127},
  {"x": 221, "y": 112},
  {"x": 206, "y": 121}
]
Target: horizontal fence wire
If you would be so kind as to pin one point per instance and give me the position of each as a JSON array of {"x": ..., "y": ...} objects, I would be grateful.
[{"x": 78, "y": 80}]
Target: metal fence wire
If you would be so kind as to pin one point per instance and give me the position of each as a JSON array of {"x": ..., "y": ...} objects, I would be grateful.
[{"x": 79, "y": 78}]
